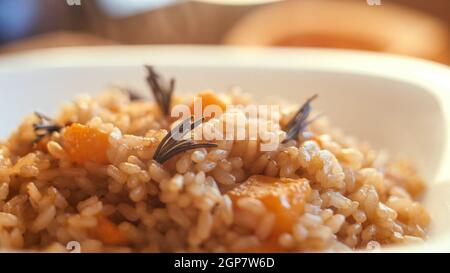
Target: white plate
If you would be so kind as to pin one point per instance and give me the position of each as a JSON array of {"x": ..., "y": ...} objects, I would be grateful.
[{"x": 397, "y": 103}]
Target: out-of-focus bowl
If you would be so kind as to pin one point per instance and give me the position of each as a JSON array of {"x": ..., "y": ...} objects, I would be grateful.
[{"x": 350, "y": 24}]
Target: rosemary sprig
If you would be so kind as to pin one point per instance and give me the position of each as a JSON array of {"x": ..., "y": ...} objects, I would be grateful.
[
  {"x": 298, "y": 123},
  {"x": 45, "y": 127},
  {"x": 132, "y": 94},
  {"x": 162, "y": 90},
  {"x": 173, "y": 143}
]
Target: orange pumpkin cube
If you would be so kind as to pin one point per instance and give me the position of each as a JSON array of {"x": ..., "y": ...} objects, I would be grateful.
[
  {"x": 284, "y": 197},
  {"x": 209, "y": 98},
  {"x": 108, "y": 232},
  {"x": 83, "y": 143}
]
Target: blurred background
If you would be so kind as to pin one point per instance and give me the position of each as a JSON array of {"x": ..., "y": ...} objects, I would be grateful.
[{"x": 416, "y": 28}]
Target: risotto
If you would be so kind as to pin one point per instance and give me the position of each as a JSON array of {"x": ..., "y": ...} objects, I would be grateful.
[{"x": 108, "y": 174}]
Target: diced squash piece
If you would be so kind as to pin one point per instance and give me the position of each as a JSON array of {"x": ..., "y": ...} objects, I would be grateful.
[
  {"x": 209, "y": 98},
  {"x": 284, "y": 197},
  {"x": 42, "y": 144},
  {"x": 83, "y": 143},
  {"x": 108, "y": 232}
]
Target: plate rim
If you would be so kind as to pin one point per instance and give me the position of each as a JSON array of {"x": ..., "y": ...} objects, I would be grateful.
[{"x": 432, "y": 76}]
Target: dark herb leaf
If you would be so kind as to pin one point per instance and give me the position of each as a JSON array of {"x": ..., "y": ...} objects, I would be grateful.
[
  {"x": 45, "y": 127},
  {"x": 173, "y": 143},
  {"x": 298, "y": 123},
  {"x": 132, "y": 94},
  {"x": 162, "y": 90}
]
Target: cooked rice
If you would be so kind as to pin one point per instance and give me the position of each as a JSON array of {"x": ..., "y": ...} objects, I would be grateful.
[{"x": 358, "y": 200}]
